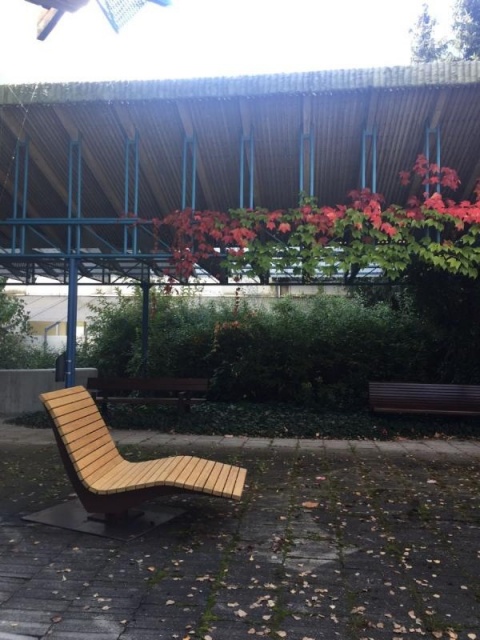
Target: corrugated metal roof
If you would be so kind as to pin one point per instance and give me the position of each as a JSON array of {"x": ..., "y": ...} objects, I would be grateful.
[
  {"x": 336, "y": 106},
  {"x": 433, "y": 74}
]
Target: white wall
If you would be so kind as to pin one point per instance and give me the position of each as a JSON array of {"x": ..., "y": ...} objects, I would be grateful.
[{"x": 20, "y": 388}]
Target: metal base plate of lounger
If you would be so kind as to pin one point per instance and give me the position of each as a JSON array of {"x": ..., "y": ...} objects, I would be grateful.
[{"x": 71, "y": 515}]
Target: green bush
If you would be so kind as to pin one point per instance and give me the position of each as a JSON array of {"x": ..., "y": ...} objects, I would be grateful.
[{"x": 318, "y": 351}]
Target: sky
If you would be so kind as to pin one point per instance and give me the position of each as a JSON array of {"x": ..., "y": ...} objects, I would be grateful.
[{"x": 210, "y": 38}]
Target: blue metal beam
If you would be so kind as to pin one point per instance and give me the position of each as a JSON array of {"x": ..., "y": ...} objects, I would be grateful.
[
  {"x": 372, "y": 137},
  {"x": 71, "y": 322},
  {"x": 22, "y": 157},
  {"x": 307, "y": 146},
  {"x": 189, "y": 151},
  {"x": 247, "y": 160},
  {"x": 435, "y": 133}
]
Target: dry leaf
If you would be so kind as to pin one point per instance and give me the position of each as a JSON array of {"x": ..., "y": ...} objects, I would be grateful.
[
  {"x": 168, "y": 602},
  {"x": 241, "y": 613},
  {"x": 437, "y": 634},
  {"x": 282, "y": 634},
  {"x": 310, "y": 505},
  {"x": 56, "y": 619}
]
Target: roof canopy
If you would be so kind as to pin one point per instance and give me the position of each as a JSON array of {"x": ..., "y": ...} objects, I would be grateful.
[{"x": 75, "y": 158}]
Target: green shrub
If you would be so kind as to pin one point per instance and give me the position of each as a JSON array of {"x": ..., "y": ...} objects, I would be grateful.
[{"x": 318, "y": 351}]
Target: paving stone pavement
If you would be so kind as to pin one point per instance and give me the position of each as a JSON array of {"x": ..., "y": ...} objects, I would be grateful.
[{"x": 348, "y": 540}]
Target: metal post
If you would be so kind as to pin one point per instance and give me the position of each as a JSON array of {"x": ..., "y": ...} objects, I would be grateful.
[
  {"x": 74, "y": 193},
  {"x": 249, "y": 163},
  {"x": 22, "y": 157},
  {"x": 304, "y": 138},
  {"x": 189, "y": 144},
  {"x": 435, "y": 131},
  {"x": 372, "y": 136},
  {"x": 145, "y": 325},
  {"x": 71, "y": 322}
]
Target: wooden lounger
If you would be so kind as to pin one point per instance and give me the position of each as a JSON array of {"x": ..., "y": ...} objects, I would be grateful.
[{"x": 107, "y": 483}]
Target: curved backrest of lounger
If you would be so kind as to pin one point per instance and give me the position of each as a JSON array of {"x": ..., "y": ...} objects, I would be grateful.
[{"x": 83, "y": 431}]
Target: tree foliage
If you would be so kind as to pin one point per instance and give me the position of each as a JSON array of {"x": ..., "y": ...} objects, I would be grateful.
[
  {"x": 464, "y": 43},
  {"x": 14, "y": 330},
  {"x": 466, "y": 28},
  {"x": 424, "y": 45}
]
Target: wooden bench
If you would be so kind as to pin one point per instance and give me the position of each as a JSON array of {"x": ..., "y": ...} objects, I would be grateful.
[
  {"x": 180, "y": 392},
  {"x": 108, "y": 483},
  {"x": 440, "y": 399}
]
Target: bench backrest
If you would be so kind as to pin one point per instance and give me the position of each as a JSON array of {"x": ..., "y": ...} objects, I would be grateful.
[
  {"x": 82, "y": 431},
  {"x": 433, "y": 398},
  {"x": 192, "y": 385}
]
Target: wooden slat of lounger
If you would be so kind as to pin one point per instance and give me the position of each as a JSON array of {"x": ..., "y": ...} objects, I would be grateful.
[
  {"x": 71, "y": 424},
  {"x": 56, "y": 399},
  {"x": 66, "y": 424},
  {"x": 162, "y": 466},
  {"x": 212, "y": 479},
  {"x": 72, "y": 406},
  {"x": 169, "y": 475},
  {"x": 229, "y": 486},
  {"x": 60, "y": 393},
  {"x": 92, "y": 446},
  {"x": 114, "y": 480},
  {"x": 191, "y": 468},
  {"x": 134, "y": 475},
  {"x": 87, "y": 467},
  {"x": 200, "y": 475},
  {"x": 89, "y": 433},
  {"x": 111, "y": 469},
  {"x": 217, "y": 489},
  {"x": 65, "y": 418},
  {"x": 99, "y": 453},
  {"x": 239, "y": 483}
]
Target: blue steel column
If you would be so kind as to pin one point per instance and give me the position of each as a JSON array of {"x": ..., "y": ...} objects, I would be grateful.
[
  {"x": 131, "y": 145},
  {"x": 189, "y": 144},
  {"x": 435, "y": 131},
  {"x": 73, "y": 248},
  {"x": 363, "y": 177},
  {"x": 304, "y": 137},
  {"x": 22, "y": 157},
  {"x": 145, "y": 326},
  {"x": 71, "y": 322},
  {"x": 249, "y": 142}
]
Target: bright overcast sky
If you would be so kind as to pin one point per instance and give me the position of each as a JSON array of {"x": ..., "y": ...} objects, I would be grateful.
[{"x": 194, "y": 38}]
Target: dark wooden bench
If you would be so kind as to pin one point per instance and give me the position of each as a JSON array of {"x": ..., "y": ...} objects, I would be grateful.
[
  {"x": 180, "y": 392},
  {"x": 440, "y": 399},
  {"x": 108, "y": 483}
]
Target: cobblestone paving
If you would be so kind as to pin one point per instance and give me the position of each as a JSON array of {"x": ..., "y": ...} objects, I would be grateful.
[{"x": 332, "y": 540}]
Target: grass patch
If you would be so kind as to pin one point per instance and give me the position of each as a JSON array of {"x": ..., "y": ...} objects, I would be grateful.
[{"x": 275, "y": 421}]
